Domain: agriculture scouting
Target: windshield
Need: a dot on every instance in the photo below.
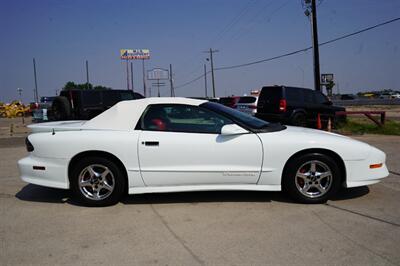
(247, 99)
(239, 117)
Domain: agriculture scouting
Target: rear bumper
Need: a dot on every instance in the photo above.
(359, 172)
(55, 173)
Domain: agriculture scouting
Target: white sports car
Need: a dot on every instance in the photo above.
(179, 144)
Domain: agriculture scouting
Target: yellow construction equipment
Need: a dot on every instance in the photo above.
(14, 109)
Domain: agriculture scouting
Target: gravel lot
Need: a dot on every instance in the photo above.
(41, 226)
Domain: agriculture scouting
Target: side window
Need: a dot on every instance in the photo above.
(294, 94)
(320, 98)
(308, 96)
(182, 118)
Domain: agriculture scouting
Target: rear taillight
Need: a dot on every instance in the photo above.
(282, 105)
(253, 106)
(29, 146)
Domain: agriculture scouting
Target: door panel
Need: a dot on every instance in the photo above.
(175, 158)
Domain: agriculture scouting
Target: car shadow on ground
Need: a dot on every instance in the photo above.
(34, 193)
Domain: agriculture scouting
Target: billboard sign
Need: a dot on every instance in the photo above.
(157, 74)
(129, 54)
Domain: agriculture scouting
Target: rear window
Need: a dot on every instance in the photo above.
(247, 99)
(226, 100)
(91, 98)
(294, 94)
(272, 94)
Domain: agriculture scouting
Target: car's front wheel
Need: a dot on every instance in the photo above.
(97, 181)
(311, 178)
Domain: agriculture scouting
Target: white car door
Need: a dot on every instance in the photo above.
(182, 145)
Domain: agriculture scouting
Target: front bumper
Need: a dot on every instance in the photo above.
(359, 172)
(55, 173)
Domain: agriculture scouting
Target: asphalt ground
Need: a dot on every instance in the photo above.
(42, 226)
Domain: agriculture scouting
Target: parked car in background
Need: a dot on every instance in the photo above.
(86, 104)
(230, 101)
(347, 97)
(295, 106)
(42, 111)
(210, 99)
(395, 96)
(247, 104)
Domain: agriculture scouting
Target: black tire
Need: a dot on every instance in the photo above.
(61, 108)
(82, 194)
(299, 119)
(290, 181)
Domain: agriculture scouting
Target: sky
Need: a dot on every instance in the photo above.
(62, 35)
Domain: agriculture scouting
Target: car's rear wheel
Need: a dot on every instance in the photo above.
(311, 178)
(97, 181)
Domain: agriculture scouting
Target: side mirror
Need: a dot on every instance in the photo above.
(232, 129)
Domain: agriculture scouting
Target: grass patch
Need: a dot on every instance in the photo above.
(364, 126)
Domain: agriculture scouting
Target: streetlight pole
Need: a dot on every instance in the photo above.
(211, 51)
(144, 79)
(205, 80)
(35, 94)
(171, 82)
(127, 74)
(87, 74)
(19, 90)
(132, 87)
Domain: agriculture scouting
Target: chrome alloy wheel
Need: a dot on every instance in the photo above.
(313, 179)
(96, 182)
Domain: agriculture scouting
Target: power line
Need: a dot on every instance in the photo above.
(237, 17)
(234, 21)
(293, 52)
(308, 48)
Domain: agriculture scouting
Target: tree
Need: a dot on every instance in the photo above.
(70, 85)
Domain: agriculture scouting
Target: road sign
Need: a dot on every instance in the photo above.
(158, 74)
(129, 54)
(326, 78)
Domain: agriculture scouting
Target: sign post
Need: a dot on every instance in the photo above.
(327, 81)
(135, 54)
(158, 74)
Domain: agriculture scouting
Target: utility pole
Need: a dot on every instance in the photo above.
(144, 79)
(127, 74)
(211, 51)
(35, 94)
(317, 76)
(171, 83)
(132, 77)
(205, 80)
(87, 74)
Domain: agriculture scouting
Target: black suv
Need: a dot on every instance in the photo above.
(295, 106)
(86, 104)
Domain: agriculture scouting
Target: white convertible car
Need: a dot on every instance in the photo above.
(179, 144)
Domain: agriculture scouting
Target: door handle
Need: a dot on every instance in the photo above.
(151, 143)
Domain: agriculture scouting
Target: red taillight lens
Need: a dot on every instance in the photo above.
(253, 107)
(282, 105)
